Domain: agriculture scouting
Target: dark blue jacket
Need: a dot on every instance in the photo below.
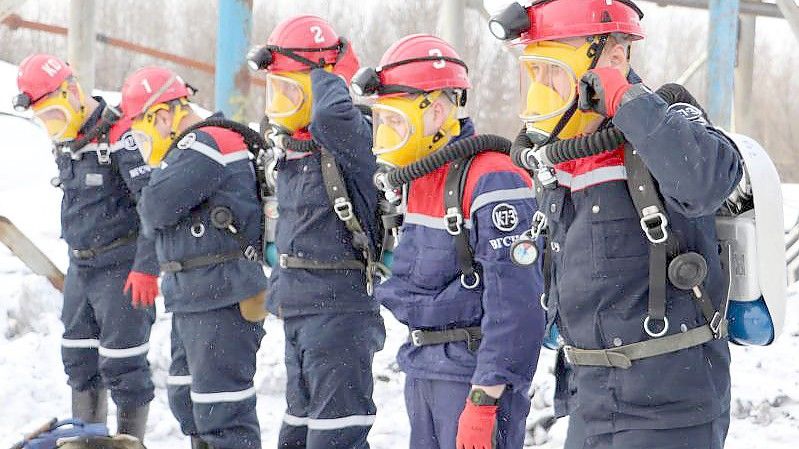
(210, 167)
(308, 227)
(600, 271)
(425, 291)
(99, 203)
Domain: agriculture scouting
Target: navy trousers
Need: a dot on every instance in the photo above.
(434, 407)
(704, 436)
(329, 380)
(105, 339)
(210, 384)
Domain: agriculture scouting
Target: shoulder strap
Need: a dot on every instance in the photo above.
(454, 187)
(339, 197)
(336, 189)
(663, 247)
(255, 143)
(654, 224)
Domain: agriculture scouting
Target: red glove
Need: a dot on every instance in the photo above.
(602, 90)
(477, 427)
(348, 63)
(143, 288)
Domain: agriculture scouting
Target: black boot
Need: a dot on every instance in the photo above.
(198, 443)
(132, 420)
(91, 406)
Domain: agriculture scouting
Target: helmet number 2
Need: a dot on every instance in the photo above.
(440, 64)
(318, 37)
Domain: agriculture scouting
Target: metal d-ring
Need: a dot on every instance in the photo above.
(197, 230)
(543, 301)
(656, 334)
(472, 285)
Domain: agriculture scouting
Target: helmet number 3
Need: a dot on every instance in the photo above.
(437, 64)
(318, 37)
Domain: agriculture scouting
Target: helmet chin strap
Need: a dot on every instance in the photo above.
(594, 52)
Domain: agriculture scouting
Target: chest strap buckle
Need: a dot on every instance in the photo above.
(654, 223)
(454, 221)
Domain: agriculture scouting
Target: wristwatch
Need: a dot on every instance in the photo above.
(480, 397)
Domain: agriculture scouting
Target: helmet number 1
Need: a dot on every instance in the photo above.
(440, 64)
(146, 85)
(318, 37)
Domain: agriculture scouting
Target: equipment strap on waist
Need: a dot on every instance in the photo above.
(287, 261)
(623, 356)
(175, 266)
(83, 254)
(471, 335)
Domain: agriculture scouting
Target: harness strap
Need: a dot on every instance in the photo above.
(287, 261)
(546, 269)
(392, 221)
(453, 198)
(623, 356)
(471, 335)
(176, 266)
(663, 246)
(227, 222)
(654, 223)
(336, 190)
(83, 254)
(716, 319)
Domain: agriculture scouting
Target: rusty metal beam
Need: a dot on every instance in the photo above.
(14, 22)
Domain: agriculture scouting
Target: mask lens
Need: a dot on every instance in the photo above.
(391, 128)
(548, 88)
(55, 119)
(284, 96)
(143, 141)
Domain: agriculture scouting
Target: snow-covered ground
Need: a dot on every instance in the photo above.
(33, 386)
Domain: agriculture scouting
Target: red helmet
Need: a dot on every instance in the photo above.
(302, 42)
(149, 86)
(41, 74)
(548, 20)
(414, 61)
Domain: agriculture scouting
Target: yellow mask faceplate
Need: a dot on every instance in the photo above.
(550, 72)
(398, 127)
(151, 143)
(57, 115)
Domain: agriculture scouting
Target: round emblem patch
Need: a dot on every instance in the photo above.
(130, 143)
(505, 217)
(689, 111)
(187, 141)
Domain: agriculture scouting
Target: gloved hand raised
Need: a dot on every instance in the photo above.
(601, 90)
(347, 62)
(143, 288)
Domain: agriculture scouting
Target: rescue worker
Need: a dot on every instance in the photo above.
(101, 172)
(649, 356)
(321, 287)
(474, 338)
(212, 282)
